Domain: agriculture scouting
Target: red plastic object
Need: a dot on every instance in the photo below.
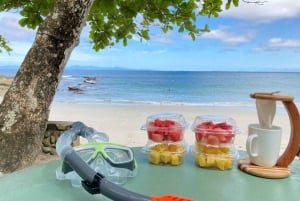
(170, 198)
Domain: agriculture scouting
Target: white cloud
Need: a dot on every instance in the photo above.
(11, 29)
(271, 10)
(163, 38)
(20, 49)
(227, 37)
(79, 57)
(276, 44)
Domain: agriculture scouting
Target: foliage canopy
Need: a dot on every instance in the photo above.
(112, 21)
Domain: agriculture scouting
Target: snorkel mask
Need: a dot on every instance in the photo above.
(84, 165)
(116, 162)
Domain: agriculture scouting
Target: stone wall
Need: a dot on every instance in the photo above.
(53, 131)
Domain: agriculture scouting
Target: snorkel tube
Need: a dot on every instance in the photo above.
(92, 181)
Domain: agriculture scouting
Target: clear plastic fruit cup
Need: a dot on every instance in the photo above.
(165, 153)
(221, 158)
(166, 145)
(214, 130)
(214, 146)
(165, 127)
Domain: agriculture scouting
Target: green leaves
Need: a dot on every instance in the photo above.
(144, 34)
(134, 17)
(34, 12)
(114, 21)
(31, 18)
(235, 3)
(211, 8)
(205, 29)
(228, 4)
(3, 45)
(12, 4)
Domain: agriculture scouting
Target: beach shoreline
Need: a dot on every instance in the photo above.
(122, 123)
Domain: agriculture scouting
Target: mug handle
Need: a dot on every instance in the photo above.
(249, 144)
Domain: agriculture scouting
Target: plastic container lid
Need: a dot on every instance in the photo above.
(210, 122)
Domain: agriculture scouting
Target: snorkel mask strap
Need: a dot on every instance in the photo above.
(64, 142)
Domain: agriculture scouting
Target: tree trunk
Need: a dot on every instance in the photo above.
(24, 110)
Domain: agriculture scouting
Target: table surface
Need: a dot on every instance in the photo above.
(186, 180)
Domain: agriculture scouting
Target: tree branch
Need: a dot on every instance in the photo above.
(256, 2)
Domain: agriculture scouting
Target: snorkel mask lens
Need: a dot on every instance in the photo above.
(86, 154)
(115, 162)
(121, 157)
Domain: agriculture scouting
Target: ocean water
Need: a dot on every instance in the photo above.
(171, 87)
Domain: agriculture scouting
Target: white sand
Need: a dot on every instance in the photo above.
(122, 123)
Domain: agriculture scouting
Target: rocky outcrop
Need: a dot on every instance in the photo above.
(90, 80)
(75, 89)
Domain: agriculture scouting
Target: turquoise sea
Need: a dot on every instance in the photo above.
(171, 87)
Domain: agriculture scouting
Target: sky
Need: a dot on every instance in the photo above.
(250, 37)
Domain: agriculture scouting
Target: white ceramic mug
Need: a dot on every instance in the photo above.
(263, 145)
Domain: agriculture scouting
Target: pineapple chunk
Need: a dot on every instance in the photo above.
(154, 157)
(175, 159)
(229, 163)
(166, 153)
(221, 163)
(160, 147)
(165, 157)
(211, 150)
(224, 163)
(201, 160)
(210, 161)
(200, 147)
(224, 150)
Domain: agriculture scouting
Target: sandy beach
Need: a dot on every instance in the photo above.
(122, 123)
